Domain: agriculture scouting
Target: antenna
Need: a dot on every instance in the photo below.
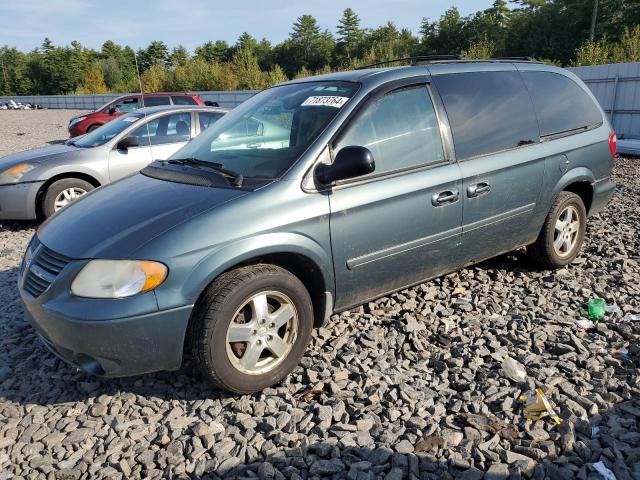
(144, 106)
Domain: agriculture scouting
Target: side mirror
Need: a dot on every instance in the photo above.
(127, 143)
(112, 110)
(350, 162)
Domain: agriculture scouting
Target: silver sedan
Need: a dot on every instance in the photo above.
(37, 183)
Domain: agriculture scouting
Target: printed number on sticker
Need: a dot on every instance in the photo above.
(325, 101)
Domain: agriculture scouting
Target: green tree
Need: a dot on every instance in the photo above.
(211, 52)
(93, 81)
(246, 69)
(178, 56)
(350, 34)
(156, 53)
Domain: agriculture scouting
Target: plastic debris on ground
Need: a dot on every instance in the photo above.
(596, 309)
(514, 370)
(612, 309)
(312, 393)
(537, 407)
(594, 431)
(631, 317)
(585, 324)
(604, 472)
(620, 353)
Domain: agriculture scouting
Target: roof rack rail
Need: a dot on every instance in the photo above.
(426, 59)
(419, 58)
(516, 59)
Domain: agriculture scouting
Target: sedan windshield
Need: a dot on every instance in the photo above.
(266, 134)
(106, 132)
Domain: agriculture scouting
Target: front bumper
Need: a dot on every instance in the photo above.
(106, 337)
(18, 201)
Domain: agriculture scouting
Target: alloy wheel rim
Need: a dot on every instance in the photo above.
(566, 230)
(66, 196)
(262, 332)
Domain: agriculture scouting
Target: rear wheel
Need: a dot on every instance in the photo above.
(251, 327)
(62, 193)
(562, 235)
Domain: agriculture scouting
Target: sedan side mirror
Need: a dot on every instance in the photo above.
(350, 162)
(112, 110)
(127, 143)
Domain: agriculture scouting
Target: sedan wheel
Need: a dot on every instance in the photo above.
(62, 193)
(67, 196)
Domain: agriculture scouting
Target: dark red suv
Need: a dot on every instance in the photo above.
(82, 124)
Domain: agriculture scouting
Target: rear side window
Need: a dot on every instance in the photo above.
(183, 100)
(488, 112)
(126, 105)
(207, 119)
(560, 103)
(400, 129)
(155, 101)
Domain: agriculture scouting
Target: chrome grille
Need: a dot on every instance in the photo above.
(43, 270)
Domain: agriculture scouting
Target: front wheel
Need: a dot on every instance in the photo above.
(251, 328)
(63, 192)
(562, 235)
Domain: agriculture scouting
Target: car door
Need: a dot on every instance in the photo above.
(158, 139)
(497, 145)
(402, 223)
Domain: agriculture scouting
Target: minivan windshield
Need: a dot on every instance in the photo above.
(265, 135)
(106, 132)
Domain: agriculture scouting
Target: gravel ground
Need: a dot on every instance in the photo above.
(409, 386)
(22, 129)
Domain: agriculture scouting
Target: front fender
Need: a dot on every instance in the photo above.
(48, 172)
(225, 257)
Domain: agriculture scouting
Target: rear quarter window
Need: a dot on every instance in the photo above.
(561, 104)
(180, 100)
(488, 111)
(155, 101)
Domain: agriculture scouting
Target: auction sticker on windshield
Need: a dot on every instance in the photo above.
(325, 101)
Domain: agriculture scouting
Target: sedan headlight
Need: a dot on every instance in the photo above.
(118, 278)
(76, 120)
(15, 173)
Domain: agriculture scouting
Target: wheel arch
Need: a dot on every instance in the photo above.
(296, 253)
(579, 181)
(60, 176)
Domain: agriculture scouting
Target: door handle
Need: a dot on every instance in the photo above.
(444, 198)
(478, 189)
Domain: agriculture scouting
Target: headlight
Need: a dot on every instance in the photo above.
(15, 173)
(76, 120)
(118, 278)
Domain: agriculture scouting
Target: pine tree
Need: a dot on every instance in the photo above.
(349, 32)
(305, 36)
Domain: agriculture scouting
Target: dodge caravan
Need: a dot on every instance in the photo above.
(313, 197)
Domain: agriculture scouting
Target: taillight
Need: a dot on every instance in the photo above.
(613, 144)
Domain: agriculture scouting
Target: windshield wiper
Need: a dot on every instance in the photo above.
(218, 167)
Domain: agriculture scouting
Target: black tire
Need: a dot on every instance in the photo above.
(56, 188)
(215, 311)
(543, 252)
(93, 127)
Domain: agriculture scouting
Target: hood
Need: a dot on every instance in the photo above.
(114, 221)
(38, 155)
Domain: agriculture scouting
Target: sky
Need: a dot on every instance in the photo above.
(25, 23)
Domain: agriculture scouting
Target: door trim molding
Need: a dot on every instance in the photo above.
(357, 262)
(485, 222)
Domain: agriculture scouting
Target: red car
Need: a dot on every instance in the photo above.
(81, 124)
